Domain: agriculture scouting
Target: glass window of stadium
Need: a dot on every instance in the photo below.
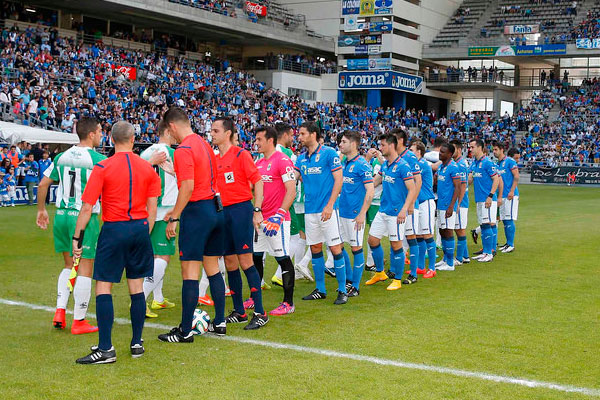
(478, 105)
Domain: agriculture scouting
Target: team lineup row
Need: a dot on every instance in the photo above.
(228, 205)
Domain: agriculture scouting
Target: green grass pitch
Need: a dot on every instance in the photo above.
(532, 314)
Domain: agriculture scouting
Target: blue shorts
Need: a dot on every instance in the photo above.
(124, 245)
(201, 232)
(239, 229)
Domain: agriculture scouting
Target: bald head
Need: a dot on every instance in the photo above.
(122, 132)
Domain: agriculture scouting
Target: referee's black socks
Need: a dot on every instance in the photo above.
(288, 278)
(235, 287)
(217, 291)
(254, 282)
(105, 315)
(138, 314)
(189, 301)
(258, 263)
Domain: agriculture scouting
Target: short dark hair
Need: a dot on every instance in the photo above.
(270, 133)
(390, 138)
(439, 140)
(161, 128)
(312, 127)
(352, 136)
(478, 142)
(228, 125)
(175, 114)
(456, 143)
(281, 128)
(512, 151)
(401, 134)
(448, 146)
(499, 145)
(419, 145)
(86, 125)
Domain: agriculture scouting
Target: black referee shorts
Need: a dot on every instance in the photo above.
(124, 245)
(201, 232)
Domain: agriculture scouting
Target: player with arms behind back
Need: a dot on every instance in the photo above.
(273, 235)
(509, 210)
(72, 169)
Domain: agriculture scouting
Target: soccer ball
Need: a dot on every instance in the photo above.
(200, 322)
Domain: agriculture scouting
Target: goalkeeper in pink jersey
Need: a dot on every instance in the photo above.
(277, 172)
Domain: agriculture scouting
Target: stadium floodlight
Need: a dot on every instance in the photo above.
(31, 10)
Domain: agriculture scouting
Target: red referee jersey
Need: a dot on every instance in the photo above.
(194, 160)
(236, 172)
(125, 182)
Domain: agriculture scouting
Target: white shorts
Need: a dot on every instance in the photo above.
(445, 223)
(387, 225)
(509, 210)
(427, 217)
(276, 246)
(411, 226)
(487, 215)
(350, 234)
(460, 222)
(327, 232)
(5, 197)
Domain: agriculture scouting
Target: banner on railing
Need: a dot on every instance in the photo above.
(583, 175)
(369, 64)
(348, 41)
(129, 72)
(370, 39)
(587, 43)
(350, 23)
(375, 7)
(511, 51)
(257, 9)
(520, 29)
(350, 7)
(23, 198)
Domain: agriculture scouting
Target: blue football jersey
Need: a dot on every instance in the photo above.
(483, 171)
(505, 169)
(317, 171)
(394, 192)
(357, 172)
(446, 175)
(413, 162)
(426, 192)
(463, 167)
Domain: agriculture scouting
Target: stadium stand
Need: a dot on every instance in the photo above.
(459, 26)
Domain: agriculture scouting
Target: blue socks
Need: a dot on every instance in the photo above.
(189, 301)
(422, 251)
(377, 253)
(340, 271)
(487, 239)
(235, 286)
(465, 249)
(448, 246)
(318, 264)
(357, 271)
(414, 256)
(255, 290)
(137, 312)
(431, 252)
(494, 237)
(460, 248)
(105, 316)
(509, 230)
(348, 264)
(397, 262)
(217, 291)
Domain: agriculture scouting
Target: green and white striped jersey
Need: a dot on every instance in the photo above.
(168, 182)
(72, 169)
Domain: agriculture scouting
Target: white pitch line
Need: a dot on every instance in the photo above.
(357, 357)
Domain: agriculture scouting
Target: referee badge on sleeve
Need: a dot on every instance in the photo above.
(229, 177)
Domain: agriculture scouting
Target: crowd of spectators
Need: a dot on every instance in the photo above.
(56, 80)
(589, 28)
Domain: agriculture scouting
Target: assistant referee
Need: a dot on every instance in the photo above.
(129, 188)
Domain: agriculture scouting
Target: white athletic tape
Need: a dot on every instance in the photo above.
(357, 357)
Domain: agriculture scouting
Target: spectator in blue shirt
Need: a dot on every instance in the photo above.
(32, 171)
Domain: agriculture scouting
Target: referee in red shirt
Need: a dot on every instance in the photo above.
(129, 187)
(236, 175)
(201, 235)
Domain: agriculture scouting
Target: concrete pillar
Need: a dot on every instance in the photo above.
(374, 98)
(399, 100)
(340, 97)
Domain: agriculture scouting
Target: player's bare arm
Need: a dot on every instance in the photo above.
(183, 197)
(82, 220)
(42, 219)
(335, 192)
(455, 195)
(257, 217)
(362, 215)
(151, 206)
(515, 173)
